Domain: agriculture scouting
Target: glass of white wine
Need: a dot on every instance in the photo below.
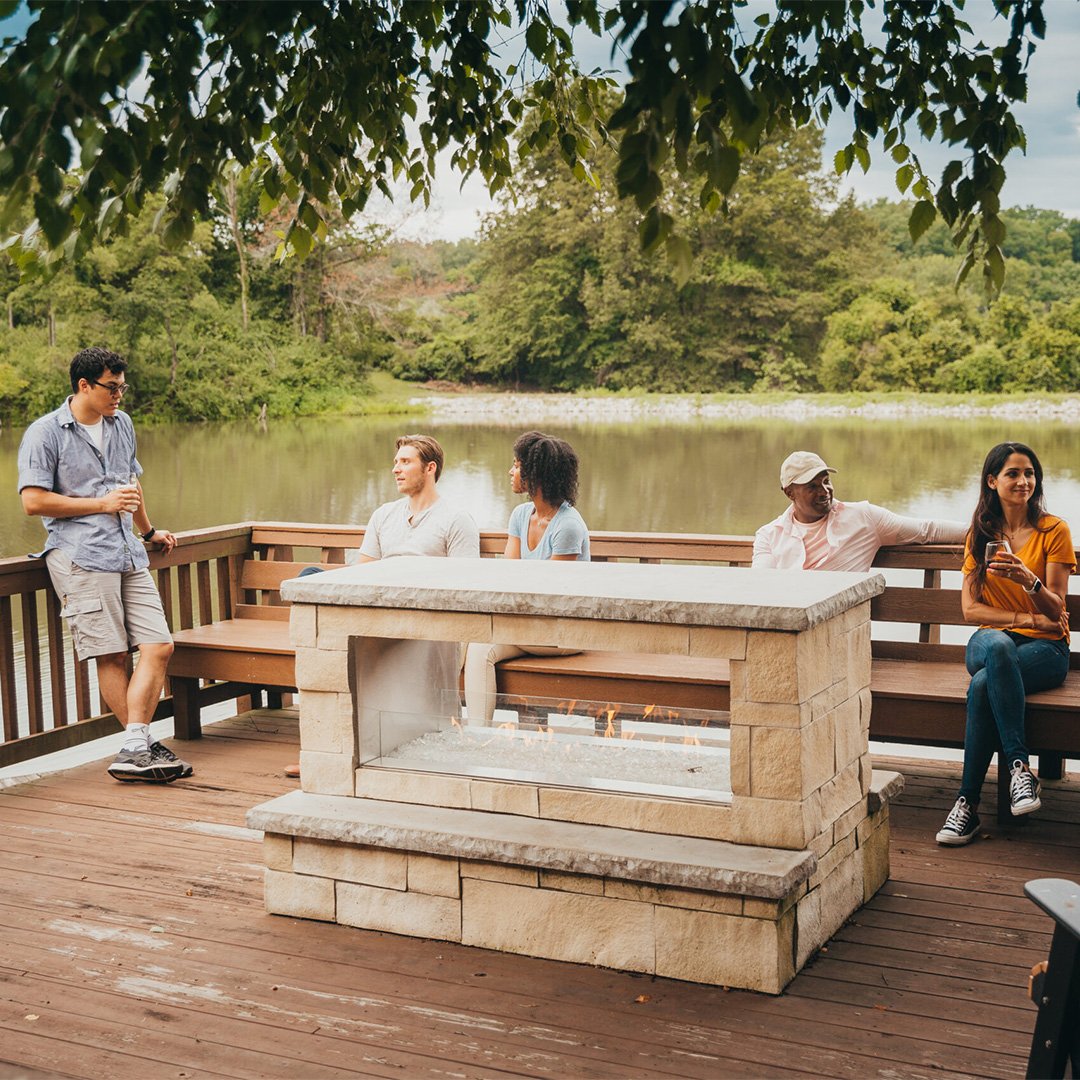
(994, 548)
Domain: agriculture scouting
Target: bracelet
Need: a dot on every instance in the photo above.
(1034, 588)
(150, 532)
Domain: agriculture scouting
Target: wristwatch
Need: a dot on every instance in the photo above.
(1031, 592)
(150, 532)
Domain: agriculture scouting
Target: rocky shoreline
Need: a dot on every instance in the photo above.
(516, 409)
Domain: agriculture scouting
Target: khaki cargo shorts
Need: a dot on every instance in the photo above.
(107, 613)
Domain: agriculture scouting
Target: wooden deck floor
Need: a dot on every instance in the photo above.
(133, 944)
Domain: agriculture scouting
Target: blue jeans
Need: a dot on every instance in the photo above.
(1004, 667)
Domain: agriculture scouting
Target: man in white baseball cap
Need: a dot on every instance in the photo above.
(818, 532)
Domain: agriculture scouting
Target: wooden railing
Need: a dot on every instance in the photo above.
(197, 585)
(214, 573)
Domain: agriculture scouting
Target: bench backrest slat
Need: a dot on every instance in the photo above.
(268, 575)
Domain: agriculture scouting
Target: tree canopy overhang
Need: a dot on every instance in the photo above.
(105, 101)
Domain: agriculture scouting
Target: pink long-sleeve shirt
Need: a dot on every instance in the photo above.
(854, 532)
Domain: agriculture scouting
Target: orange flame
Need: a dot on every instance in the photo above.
(609, 731)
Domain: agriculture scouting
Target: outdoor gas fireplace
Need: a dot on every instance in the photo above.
(717, 845)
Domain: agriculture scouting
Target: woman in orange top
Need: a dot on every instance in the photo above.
(1017, 597)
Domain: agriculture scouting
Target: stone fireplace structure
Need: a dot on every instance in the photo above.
(734, 888)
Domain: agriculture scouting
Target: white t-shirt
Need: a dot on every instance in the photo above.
(442, 529)
(815, 540)
(96, 433)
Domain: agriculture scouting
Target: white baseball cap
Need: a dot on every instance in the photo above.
(801, 467)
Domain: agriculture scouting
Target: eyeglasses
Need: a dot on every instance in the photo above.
(116, 389)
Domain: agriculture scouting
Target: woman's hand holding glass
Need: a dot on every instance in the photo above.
(1001, 562)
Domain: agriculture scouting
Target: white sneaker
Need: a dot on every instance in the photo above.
(1024, 789)
(961, 826)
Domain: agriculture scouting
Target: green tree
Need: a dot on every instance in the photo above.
(317, 97)
(566, 298)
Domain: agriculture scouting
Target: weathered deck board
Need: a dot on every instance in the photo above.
(133, 944)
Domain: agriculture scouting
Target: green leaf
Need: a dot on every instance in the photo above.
(648, 191)
(725, 168)
(903, 177)
(109, 213)
(994, 268)
(862, 155)
(951, 173)
(900, 153)
(681, 258)
(922, 217)
(965, 269)
(179, 231)
(993, 228)
(300, 239)
(536, 39)
(654, 229)
(54, 221)
(841, 164)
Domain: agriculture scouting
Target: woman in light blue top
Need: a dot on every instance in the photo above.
(546, 527)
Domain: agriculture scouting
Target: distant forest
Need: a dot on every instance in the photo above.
(795, 289)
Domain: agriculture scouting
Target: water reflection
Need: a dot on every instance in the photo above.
(682, 476)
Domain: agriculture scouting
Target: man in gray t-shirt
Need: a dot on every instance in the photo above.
(421, 523)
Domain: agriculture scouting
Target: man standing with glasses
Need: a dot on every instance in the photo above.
(79, 473)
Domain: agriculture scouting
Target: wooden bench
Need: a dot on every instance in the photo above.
(919, 687)
(248, 652)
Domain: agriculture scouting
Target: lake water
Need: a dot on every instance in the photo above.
(676, 476)
(686, 476)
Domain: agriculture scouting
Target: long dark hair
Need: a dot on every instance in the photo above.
(988, 521)
(549, 465)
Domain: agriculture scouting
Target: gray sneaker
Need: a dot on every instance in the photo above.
(140, 765)
(161, 754)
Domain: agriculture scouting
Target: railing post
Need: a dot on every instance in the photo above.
(930, 633)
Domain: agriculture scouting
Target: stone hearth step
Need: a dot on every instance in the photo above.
(684, 862)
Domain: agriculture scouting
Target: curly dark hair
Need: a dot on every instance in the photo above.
(90, 364)
(988, 521)
(548, 466)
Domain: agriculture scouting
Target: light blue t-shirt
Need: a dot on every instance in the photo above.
(566, 534)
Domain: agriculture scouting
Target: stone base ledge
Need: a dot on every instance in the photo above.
(884, 787)
(601, 851)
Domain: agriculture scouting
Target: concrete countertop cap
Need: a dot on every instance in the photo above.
(628, 592)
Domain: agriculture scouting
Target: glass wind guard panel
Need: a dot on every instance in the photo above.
(649, 750)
